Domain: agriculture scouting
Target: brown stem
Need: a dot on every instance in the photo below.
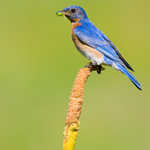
(72, 122)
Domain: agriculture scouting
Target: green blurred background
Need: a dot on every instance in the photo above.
(38, 64)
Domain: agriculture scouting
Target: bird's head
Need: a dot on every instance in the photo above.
(73, 13)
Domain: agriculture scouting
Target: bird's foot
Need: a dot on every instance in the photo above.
(97, 68)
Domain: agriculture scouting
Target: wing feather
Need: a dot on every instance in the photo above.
(88, 34)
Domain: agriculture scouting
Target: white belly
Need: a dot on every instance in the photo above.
(90, 53)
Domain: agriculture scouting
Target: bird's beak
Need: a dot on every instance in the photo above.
(60, 13)
(63, 13)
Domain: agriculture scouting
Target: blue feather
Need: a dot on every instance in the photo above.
(129, 75)
(90, 35)
(93, 37)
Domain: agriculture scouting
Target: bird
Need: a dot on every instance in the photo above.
(94, 44)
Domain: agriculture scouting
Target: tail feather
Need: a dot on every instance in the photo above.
(129, 75)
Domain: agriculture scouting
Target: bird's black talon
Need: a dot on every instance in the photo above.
(99, 69)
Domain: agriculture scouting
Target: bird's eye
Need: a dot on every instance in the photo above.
(73, 10)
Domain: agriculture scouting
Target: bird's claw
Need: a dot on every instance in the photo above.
(97, 68)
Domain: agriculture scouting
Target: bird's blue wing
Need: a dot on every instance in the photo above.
(118, 53)
(88, 34)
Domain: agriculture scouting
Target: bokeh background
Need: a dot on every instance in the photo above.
(38, 64)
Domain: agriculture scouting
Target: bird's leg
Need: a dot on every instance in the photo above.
(91, 66)
(97, 68)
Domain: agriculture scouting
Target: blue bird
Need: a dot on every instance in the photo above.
(93, 44)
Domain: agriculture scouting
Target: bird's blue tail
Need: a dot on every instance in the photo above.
(129, 75)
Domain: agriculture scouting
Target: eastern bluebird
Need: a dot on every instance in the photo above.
(93, 44)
